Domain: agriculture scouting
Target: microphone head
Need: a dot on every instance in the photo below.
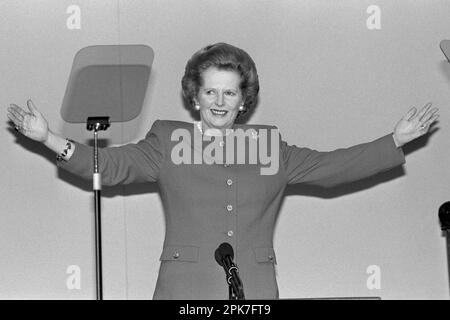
(444, 215)
(225, 249)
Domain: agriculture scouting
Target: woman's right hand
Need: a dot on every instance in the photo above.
(31, 124)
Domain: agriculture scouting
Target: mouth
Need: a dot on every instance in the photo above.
(219, 113)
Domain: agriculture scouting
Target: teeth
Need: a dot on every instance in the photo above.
(218, 112)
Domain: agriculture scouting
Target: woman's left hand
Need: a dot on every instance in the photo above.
(414, 124)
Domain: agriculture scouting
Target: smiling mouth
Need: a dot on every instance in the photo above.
(217, 112)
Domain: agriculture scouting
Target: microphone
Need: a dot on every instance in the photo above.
(444, 215)
(224, 256)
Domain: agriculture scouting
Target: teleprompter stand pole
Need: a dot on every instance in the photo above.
(97, 124)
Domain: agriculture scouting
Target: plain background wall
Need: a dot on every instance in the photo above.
(327, 81)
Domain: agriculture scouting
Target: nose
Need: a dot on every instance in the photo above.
(219, 100)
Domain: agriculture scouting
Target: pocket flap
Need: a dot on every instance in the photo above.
(180, 253)
(265, 255)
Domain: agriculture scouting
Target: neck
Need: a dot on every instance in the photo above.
(213, 131)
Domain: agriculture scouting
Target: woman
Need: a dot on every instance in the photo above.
(207, 204)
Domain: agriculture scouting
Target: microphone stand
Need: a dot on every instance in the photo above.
(235, 287)
(97, 124)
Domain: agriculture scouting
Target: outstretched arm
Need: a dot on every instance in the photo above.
(327, 169)
(133, 162)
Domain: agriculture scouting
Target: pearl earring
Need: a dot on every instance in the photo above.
(197, 107)
(241, 108)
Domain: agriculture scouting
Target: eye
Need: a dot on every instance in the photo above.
(209, 92)
(230, 93)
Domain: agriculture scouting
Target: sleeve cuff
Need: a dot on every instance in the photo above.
(81, 159)
(397, 153)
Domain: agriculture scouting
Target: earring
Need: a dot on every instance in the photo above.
(241, 107)
(197, 107)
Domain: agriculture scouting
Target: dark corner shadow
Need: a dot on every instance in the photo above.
(195, 115)
(86, 185)
(369, 182)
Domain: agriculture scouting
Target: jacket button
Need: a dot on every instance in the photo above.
(229, 182)
(230, 233)
(229, 207)
(176, 255)
(271, 258)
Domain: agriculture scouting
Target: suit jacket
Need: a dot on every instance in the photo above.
(208, 204)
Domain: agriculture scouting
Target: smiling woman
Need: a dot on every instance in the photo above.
(221, 82)
(219, 98)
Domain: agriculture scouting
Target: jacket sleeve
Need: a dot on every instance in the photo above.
(133, 162)
(327, 169)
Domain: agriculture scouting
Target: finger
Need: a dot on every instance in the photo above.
(16, 108)
(424, 110)
(429, 114)
(16, 124)
(433, 119)
(13, 119)
(410, 113)
(16, 112)
(427, 124)
(32, 108)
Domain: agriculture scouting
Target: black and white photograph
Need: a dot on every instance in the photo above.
(217, 150)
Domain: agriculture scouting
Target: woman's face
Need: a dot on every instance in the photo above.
(219, 98)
